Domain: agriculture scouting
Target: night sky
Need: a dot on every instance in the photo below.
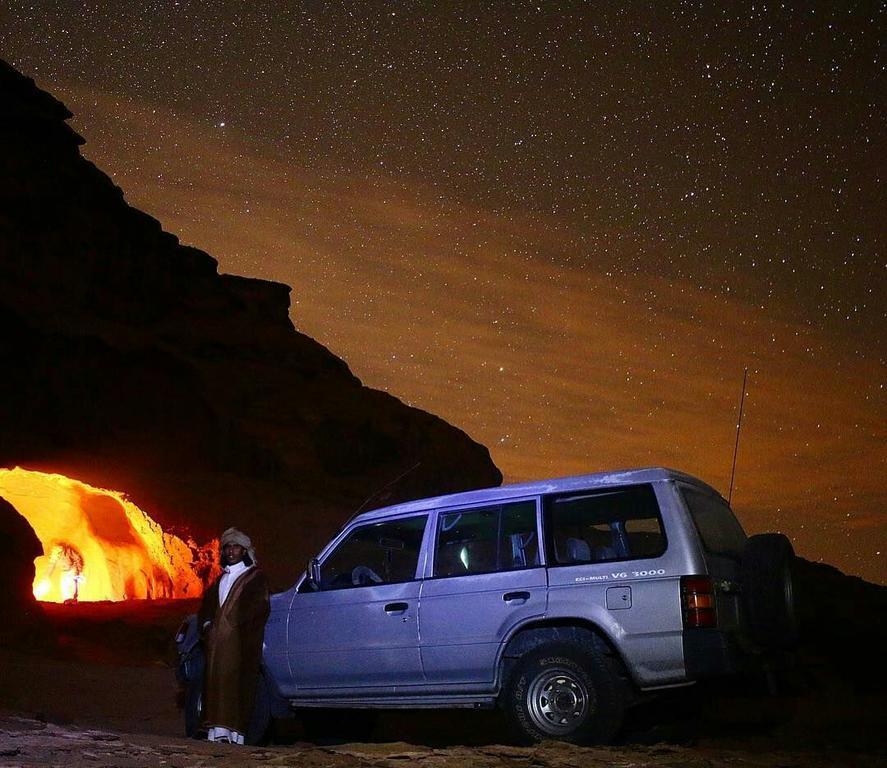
(564, 228)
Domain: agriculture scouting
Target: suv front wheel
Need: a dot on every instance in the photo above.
(561, 691)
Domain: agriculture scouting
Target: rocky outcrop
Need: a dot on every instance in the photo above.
(21, 546)
(130, 363)
(843, 623)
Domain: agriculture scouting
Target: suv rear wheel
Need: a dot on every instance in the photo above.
(562, 691)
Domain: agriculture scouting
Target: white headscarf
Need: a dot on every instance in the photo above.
(234, 536)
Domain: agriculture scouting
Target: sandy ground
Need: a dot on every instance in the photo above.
(28, 742)
(95, 686)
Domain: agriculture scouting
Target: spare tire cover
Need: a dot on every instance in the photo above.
(767, 590)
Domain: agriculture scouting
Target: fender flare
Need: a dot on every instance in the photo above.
(526, 637)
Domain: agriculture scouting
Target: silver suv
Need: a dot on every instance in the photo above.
(559, 601)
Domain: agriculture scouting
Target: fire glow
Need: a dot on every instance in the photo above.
(97, 545)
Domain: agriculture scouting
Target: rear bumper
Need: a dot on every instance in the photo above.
(710, 653)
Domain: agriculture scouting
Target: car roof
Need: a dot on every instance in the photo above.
(536, 488)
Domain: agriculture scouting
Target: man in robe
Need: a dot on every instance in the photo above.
(232, 619)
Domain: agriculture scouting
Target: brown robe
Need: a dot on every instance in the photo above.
(233, 647)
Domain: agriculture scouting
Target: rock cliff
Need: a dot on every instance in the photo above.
(130, 363)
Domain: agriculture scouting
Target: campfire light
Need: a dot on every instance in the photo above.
(98, 545)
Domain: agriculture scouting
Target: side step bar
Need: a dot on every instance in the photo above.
(399, 702)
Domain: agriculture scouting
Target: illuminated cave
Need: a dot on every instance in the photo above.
(97, 545)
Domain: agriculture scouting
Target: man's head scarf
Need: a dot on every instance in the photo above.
(235, 536)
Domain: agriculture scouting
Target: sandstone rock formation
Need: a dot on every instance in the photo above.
(130, 363)
(21, 546)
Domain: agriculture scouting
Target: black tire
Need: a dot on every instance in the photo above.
(768, 591)
(194, 709)
(259, 729)
(565, 692)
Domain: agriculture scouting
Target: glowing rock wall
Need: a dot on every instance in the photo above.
(97, 545)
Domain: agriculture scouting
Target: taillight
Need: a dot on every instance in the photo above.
(698, 601)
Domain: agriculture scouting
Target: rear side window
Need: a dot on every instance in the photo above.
(495, 538)
(718, 527)
(602, 526)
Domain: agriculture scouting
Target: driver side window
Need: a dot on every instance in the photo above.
(380, 553)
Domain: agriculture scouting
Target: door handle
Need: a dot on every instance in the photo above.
(396, 607)
(511, 596)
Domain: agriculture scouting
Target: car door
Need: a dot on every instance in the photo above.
(610, 564)
(360, 629)
(487, 578)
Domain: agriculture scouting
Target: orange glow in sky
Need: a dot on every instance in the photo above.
(486, 319)
(565, 228)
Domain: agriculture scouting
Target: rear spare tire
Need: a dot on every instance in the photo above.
(566, 692)
(768, 590)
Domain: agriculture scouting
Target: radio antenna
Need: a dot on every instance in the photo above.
(738, 427)
(384, 488)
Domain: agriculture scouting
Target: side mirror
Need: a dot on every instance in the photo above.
(313, 573)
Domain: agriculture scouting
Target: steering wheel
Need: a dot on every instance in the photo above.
(363, 576)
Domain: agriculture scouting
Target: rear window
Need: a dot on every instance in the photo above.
(718, 527)
(603, 526)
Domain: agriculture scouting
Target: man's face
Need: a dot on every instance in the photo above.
(232, 554)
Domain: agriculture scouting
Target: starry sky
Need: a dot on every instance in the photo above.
(566, 228)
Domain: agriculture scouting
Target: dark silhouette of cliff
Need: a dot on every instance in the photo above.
(21, 546)
(130, 363)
